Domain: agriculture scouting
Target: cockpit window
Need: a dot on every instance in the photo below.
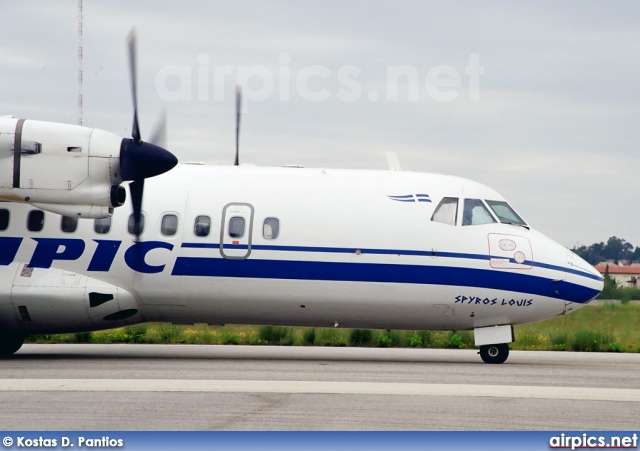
(446, 211)
(476, 213)
(505, 213)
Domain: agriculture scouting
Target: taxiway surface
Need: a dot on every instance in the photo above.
(182, 387)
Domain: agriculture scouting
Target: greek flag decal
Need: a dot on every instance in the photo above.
(410, 198)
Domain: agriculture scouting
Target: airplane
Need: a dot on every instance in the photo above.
(242, 244)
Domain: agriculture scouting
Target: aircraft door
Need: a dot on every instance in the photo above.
(236, 231)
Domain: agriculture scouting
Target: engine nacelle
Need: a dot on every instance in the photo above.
(62, 168)
(51, 300)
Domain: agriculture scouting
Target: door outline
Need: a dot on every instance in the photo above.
(226, 242)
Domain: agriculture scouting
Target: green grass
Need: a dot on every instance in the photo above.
(608, 327)
(605, 328)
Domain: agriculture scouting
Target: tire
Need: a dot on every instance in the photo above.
(494, 353)
(10, 343)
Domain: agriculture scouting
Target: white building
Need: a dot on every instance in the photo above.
(624, 276)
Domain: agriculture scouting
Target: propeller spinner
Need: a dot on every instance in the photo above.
(138, 159)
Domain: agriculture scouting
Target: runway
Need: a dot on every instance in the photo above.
(183, 387)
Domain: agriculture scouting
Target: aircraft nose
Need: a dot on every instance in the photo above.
(583, 280)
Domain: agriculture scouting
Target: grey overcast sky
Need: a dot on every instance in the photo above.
(552, 122)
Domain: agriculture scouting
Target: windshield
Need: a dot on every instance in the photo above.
(475, 213)
(505, 213)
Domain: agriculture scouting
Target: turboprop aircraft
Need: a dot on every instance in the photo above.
(252, 245)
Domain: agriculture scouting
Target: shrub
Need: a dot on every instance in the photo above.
(361, 337)
(589, 341)
(610, 306)
(229, 338)
(82, 337)
(427, 338)
(309, 337)
(331, 337)
(389, 338)
(559, 340)
(454, 341)
(276, 335)
(203, 337)
(629, 294)
(414, 339)
(529, 340)
(170, 333)
(136, 334)
(610, 290)
(42, 338)
(467, 338)
(615, 347)
(384, 340)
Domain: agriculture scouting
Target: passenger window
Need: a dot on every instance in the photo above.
(476, 213)
(271, 228)
(202, 226)
(169, 225)
(35, 220)
(131, 225)
(102, 225)
(236, 227)
(68, 224)
(446, 211)
(505, 213)
(4, 219)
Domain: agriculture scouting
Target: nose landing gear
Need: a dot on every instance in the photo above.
(494, 353)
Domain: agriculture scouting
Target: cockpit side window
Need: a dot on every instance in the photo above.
(476, 213)
(505, 213)
(447, 211)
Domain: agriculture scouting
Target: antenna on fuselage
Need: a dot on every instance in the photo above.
(392, 161)
(238, 113)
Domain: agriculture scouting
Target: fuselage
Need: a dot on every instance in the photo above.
(289, 246)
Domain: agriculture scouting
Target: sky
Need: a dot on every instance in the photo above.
(537, 99)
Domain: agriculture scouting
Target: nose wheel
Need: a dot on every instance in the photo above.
(494, 353)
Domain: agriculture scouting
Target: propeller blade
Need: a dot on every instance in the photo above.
(131, 44)
(238, 108)
(140, 160)
(159, 133)
(136, 188)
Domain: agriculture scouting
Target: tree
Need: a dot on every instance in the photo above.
(615, 249)
(610, 289)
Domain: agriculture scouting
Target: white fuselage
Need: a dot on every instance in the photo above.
(353, 249)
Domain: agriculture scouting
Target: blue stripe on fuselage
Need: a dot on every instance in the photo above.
(342, 250)
(382, 273)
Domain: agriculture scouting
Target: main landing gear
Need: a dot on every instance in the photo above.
(9, 343)
(494, 353)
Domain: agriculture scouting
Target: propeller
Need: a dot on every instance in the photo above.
(159, 133)
(238, 108)
(138, 159)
